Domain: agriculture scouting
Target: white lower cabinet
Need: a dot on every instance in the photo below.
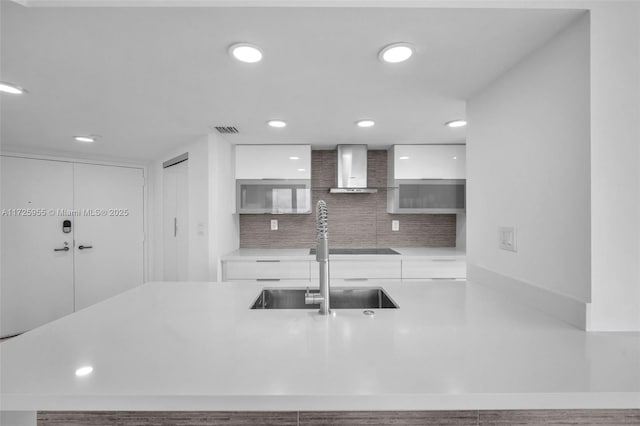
(342, 271)
(434, 268)
(265, 270)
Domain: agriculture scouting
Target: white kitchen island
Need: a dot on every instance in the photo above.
(198, 346)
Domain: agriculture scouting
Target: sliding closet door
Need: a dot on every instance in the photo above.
(175, 222)
(110, 235)
(37, 255)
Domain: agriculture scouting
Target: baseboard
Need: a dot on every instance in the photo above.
(562, 307)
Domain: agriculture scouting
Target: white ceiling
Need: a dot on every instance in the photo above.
(148, 79)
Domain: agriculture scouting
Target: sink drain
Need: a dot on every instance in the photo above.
(368, 312)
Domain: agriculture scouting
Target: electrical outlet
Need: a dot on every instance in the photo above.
(274, 224)
(507, 238)
(395, 225)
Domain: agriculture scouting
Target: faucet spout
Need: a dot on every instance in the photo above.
(322, 255)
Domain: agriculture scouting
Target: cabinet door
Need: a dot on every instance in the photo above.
(428, 196)
(273, 196)
(273, 161)
(37, 282)
(429, 161)
(109, 246)
(175, 222)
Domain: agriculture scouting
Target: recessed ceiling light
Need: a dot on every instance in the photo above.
(86, 139)
(456, 123)
(246, 52)
(396, 52)
(302, 170)
(277, 123)
(294, 158)
(404, 157)
(10, 88)
(455, 158)
(365, 123)
(83, 371)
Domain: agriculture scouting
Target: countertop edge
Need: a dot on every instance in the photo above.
(392, 402)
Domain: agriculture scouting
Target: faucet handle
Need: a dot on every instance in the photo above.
(312, 298)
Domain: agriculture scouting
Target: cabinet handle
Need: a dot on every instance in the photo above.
(84, 247)
(62, 249)
(356, 279)
(267, 279)
(267, 261)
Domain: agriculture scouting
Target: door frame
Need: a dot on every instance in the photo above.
(131, 165)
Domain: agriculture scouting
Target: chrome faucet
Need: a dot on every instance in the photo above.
(322, 257)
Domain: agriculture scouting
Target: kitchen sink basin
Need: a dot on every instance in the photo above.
(340, 298)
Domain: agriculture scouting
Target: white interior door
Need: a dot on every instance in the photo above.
(109, 234)
(36, 281)
(175, 222)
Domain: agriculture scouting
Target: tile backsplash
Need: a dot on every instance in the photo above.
(355, 220)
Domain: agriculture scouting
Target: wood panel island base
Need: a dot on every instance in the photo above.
(346, 418)
(198, 348)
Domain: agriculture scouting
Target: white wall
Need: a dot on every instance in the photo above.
(615, 167)
(528, 167)
(614, 171)
(224, 236)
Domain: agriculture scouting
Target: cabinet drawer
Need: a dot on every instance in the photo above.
(361, 269)
(265, 269)
(434, 268)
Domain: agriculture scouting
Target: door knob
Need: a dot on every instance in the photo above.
(62, 249)
(84, 247)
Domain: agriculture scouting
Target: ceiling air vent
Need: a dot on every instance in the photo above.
(226, 130)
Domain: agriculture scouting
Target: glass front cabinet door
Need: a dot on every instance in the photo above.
(274, 197)
(427, 196)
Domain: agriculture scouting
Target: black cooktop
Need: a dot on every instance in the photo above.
(358, 251)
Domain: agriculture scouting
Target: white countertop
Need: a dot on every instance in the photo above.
(303, 254)
(198, 346)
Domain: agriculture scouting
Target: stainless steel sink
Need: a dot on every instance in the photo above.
(341, 298)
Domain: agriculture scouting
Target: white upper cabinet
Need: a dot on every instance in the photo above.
(426, 179)
(273, 161)
(428, 161)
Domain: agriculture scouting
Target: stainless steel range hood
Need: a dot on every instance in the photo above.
(352, 170)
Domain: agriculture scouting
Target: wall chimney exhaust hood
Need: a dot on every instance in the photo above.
(352, 170)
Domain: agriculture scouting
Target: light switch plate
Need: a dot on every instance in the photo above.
(507, 238)
(274, 224)
(395, 225)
